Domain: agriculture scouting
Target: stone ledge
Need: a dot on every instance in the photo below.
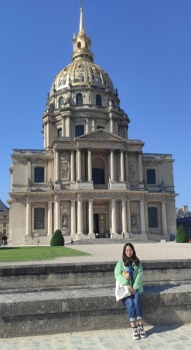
(47, 276)
(79, 309)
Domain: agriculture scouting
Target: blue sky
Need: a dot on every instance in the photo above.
(144, 45)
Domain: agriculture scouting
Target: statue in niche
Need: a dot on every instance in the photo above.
(65, 220)
(64, 170)
(133, 220)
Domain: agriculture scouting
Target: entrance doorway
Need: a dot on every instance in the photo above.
(100, 224)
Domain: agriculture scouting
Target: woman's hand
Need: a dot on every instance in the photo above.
(132, 290)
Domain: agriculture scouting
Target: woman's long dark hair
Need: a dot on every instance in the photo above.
(128, 261)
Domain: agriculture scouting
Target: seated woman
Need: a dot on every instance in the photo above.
(129, 271)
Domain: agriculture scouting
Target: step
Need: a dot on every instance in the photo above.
(85, 308)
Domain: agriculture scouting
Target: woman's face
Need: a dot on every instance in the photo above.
(128, 251)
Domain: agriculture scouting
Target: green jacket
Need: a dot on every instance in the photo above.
(135, 282)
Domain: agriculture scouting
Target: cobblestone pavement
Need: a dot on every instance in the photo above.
(175, 337)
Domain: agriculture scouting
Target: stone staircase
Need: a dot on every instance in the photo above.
(53, 298)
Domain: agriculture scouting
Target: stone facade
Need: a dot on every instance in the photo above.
(89, 178)
(4, 222)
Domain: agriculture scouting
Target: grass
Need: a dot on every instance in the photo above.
(16, 254)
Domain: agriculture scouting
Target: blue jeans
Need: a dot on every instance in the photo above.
(133, 307)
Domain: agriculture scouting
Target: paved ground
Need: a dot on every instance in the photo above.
(174, 337)
(113, 252)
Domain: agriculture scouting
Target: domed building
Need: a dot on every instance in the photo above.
(89, 179)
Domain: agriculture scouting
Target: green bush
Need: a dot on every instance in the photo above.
(57, 239)
(181, 235)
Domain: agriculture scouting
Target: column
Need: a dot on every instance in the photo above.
(113, 217)
(78, 164)
(63, 126)
(49, 218)
(57, 215)
(91, 224)
(28, 218)
(112, 164)
(164, 223)
(127, 167)
(128, 217)
(142, 216)
(57, 177)
(89, 164)
(146, 217)
(87, 125)
(73, 217)
(124, 217)
(80, 217)
(140, 168)
(45, 141)
(122, 173)
(111, 124)
(93, 124)
(72, 166)
(48, 135)
(68, 126)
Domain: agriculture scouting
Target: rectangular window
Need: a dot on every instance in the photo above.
(151, 179)
(39, 216)
(4, 224)
(4, 216)
(79, 130)
(152, 216)
(39, 174)
(4, 232)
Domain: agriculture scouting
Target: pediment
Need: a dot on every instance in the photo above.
(100, 135)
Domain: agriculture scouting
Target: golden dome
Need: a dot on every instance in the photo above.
(82, 71)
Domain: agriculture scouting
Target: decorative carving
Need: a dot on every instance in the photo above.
(132, 170)
(50, 184)
(65, 170)
(29, 183)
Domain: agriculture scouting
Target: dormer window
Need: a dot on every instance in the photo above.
(98, 100)
(79, 99)
(61, 102)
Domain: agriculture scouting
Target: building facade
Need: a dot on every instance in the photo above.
(89, 178)
(4, 223)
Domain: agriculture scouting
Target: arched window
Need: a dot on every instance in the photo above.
(59, 132)
(152, 216)
(79, 130)
(79, 99)
(61, 102)
(39, 174)
(98, 100)
(98, 176)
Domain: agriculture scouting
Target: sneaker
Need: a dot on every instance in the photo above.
(135, 333)
(142, 332)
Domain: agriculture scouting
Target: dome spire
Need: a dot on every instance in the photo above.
(82, 44)
(81, 27)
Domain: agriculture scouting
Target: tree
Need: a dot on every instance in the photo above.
(57, 239)
(181, 235)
